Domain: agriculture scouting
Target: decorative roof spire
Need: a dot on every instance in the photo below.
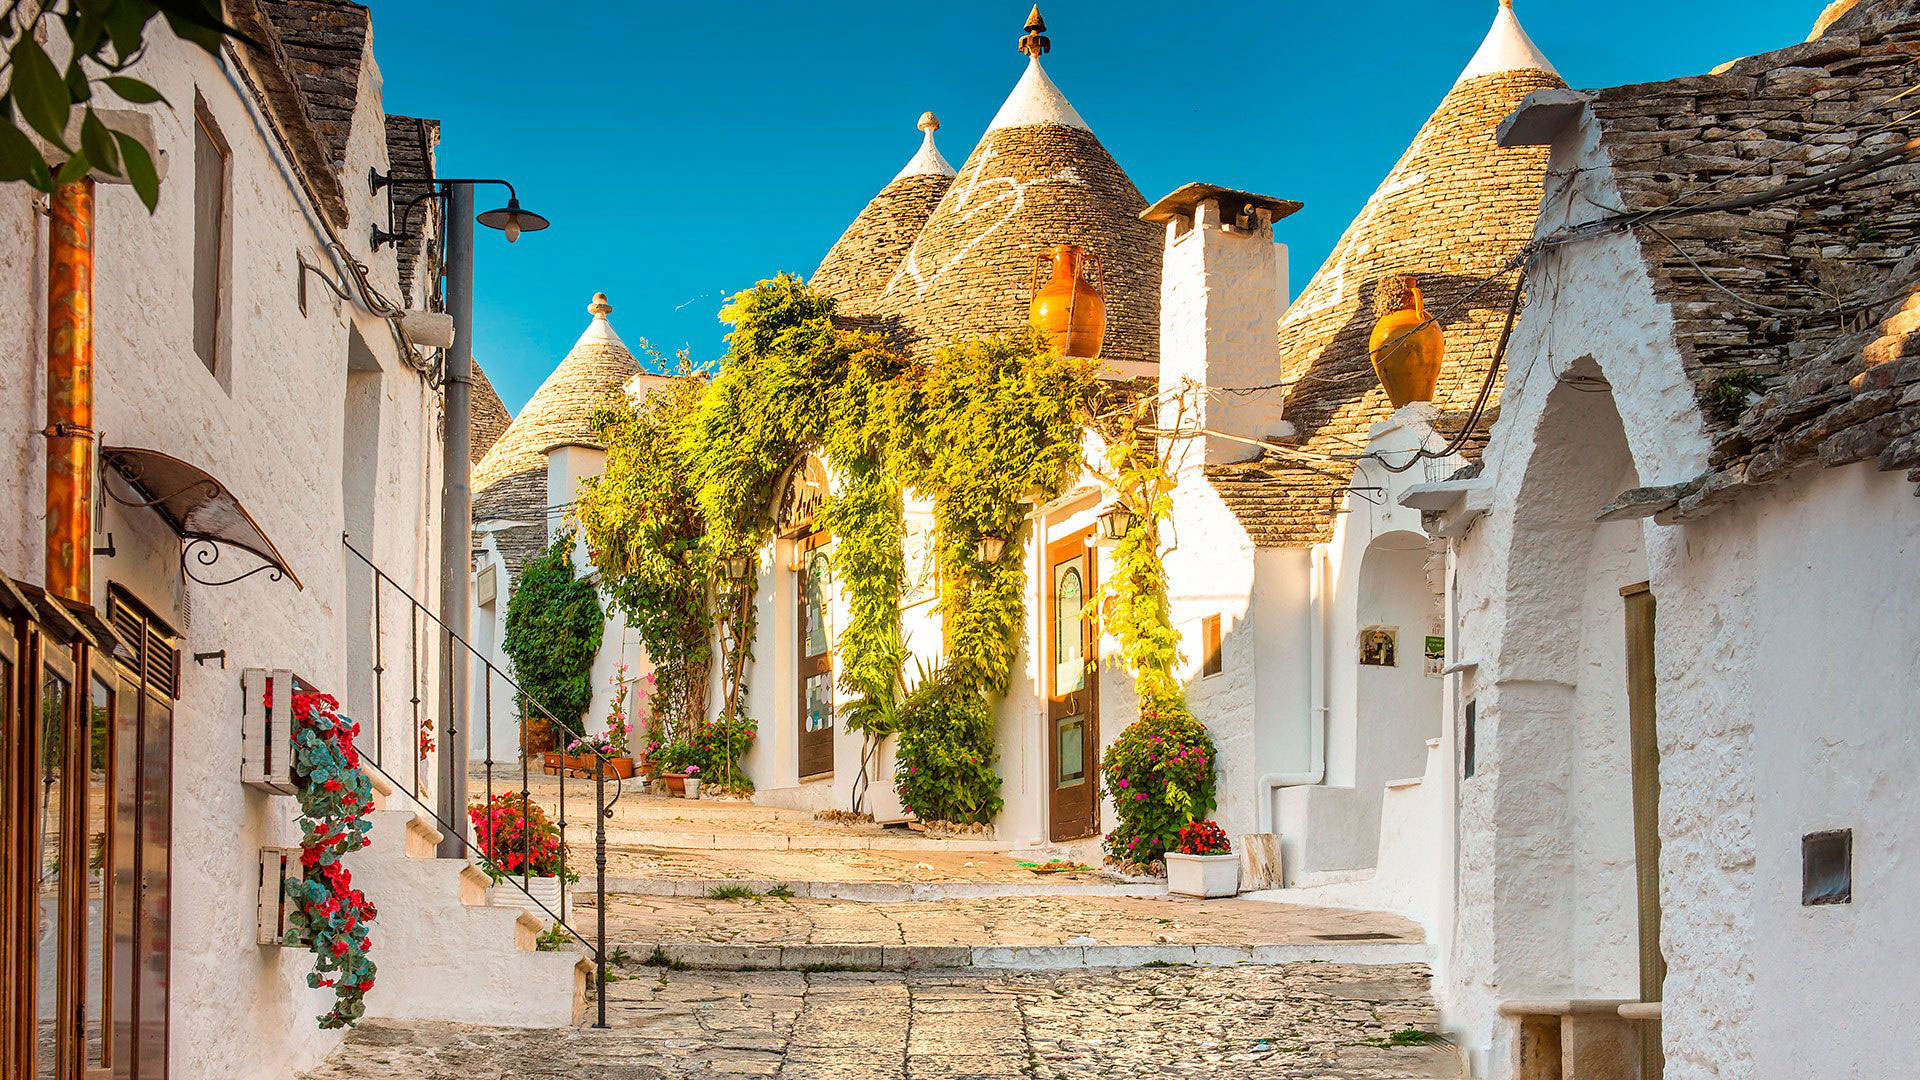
(600, 331)
(1035, 101)
(1506, 48)
(1035, 42)
(928, 161)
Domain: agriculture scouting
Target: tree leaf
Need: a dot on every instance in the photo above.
(74, 168)
(20, 159)
(201, 22)
(134, 90)
(40, 92)
(97, 142)
(127, 25)
(139, 169)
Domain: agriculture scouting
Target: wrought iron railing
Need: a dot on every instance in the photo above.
(448, 732)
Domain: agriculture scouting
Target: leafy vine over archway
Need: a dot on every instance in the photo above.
(986, 429)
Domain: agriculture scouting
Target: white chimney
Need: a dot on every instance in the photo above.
(1222, 292)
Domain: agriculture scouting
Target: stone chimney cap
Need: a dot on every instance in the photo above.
(1184, 199)
(1035, 43)
(600, 308)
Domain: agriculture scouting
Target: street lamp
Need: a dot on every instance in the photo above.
(456, 490)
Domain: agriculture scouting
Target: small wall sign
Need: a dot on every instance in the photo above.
(1380, 646)
(1436, 653)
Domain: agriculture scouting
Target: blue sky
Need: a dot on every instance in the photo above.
(685, 151)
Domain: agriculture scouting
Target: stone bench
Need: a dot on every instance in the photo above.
(1581, 1039)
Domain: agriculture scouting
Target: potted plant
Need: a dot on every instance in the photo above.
(1204, 865)
(693, 782)
(518, 841)
(583, 752)
(676, 761)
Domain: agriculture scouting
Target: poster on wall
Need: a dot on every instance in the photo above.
(1436, 651)
(1380, 646)
(922, 576)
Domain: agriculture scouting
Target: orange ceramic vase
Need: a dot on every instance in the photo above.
(1407, 350)
(1069, 310)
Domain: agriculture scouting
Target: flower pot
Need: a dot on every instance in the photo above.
(544, 889)
(1203, 875)
(553, 763)
(693, 787)
(676, 782)
(621, 767)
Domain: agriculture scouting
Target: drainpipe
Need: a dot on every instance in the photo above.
(1316, 695)
(69, 430)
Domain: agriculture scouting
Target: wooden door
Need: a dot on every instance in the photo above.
(1072, 664)
(1645, 752)
(812, 581)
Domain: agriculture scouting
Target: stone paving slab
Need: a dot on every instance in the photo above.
(1328, 1021)
(873, 892)
(1007, 921)
(1006, 957)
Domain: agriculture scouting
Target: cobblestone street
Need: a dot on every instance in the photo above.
(1329, 1021)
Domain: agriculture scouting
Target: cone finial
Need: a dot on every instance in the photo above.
(1035, 42)
(599, 306)
(929, 123)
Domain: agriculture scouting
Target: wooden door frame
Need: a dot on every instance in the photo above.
(1074, 544)
(1640, 615)
(806, 668)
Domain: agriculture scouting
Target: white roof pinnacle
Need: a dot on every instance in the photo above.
(600, 331)
(1036, 102)
(1507, 48)
(928, 161)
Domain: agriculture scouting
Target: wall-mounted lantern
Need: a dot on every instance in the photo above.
(988, 549)
(736, 567)
(1115, 521)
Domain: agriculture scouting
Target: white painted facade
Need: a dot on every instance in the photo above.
(1784, 702)
(318, 426)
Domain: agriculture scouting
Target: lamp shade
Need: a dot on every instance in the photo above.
(1115, 520)
(512, 220)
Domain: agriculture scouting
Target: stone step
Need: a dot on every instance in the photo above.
(766, 841)
(875, 892)
(1004, 957)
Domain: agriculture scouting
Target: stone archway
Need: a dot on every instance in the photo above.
(1554, 729)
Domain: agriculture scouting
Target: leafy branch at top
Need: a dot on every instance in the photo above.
(103, 39)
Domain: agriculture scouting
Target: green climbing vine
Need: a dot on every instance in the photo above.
(987, 428)
(647, 536)
(554, 627)
(1160, 771)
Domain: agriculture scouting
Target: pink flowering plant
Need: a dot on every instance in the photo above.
(618, 729)
(1159, 774)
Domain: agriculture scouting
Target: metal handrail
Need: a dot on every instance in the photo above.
(602, 766)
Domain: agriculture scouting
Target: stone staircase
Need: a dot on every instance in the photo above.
(447, 945)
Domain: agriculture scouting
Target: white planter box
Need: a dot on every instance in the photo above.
(693, 787)
(266, 733)
(544, 889)
(276, 866)
(1203, 875)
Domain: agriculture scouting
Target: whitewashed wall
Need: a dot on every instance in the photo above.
(1784, 706)
(271, 428)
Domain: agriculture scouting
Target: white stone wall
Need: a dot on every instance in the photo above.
(1784, 703)
(271, 429)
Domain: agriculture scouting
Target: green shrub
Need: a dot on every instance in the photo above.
(944, 765)
(554, 626)
(1159, 774)
(716, 746)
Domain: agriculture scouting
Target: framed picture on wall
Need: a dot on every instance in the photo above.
(1380, 646)
(922, 569)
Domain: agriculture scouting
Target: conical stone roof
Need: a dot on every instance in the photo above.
(856, 269)
(1452, 212)
(510, 483)
(1038, 178)
(490, 416)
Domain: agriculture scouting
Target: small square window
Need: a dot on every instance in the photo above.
(1826, 868)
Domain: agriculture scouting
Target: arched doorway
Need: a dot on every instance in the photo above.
(1566, 758)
